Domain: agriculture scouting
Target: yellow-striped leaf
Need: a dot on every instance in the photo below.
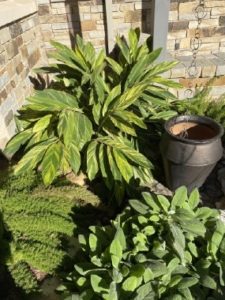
(51, 163)
(92, 163)
(74, 157)
(17, 141)
(123, 165)
(32, 157)
(42, 123)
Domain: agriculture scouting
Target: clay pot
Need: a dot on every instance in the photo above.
(190, 148)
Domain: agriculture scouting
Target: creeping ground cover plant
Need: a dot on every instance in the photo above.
(158, 248)
(89, 118)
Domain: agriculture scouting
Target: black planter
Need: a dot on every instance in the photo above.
(190, 148)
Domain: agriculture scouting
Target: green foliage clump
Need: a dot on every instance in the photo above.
(203, 104)
(93, 125)
(158, 248)
(37, 224)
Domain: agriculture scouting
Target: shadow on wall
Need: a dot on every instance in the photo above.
(73, 19)
(146, 16)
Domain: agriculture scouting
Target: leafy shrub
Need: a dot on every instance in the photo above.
(158, 248)
(36, 222)
(204, 105)
(93, 126)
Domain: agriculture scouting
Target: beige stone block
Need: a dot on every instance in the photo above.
(173, 16)
(117, 15)
(209, 70)
(61, 10)
(47, 35)
(127, 7)
(209, 46)
(171, 44)
(187, 7)
(88, 25)
(86, 17)
(204, 23)
(212, 3)
(96, 16)
(212, 39)
(4, 35)
(46, 19)
(177, 34)
(96, 34)
(133, 16)
(57, 4)
(185, 43)
(100, 27)
(217, 11)
(178, 72)
(84, 9)
(115, 7)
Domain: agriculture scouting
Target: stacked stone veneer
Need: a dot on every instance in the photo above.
(211, 54)
(182, 25)
(61, 20)
(20, 51)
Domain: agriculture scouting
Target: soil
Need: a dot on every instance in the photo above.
(193, 131)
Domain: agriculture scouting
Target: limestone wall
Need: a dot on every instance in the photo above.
(182, 24)
(61, 20)
(20, 51)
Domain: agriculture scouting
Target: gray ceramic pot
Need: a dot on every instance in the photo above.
(190, 148)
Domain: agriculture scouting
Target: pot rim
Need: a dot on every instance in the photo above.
(198, 119)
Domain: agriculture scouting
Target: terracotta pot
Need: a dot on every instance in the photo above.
(190, 148)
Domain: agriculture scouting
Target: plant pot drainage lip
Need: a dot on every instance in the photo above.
(198, 119)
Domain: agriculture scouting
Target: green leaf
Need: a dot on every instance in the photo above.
(51, 163)
(76, 128)
(113, 291)
(32, 157)
(52, 100)
(130, 117)
(180, 197)
(124, 146)
(74, 158)
(205, 212)
(116, 251)
(97, 284)
(92, 163)
(148, 275)
(121, 237)
(93, 242)
(123, 165)
(149, 230)
(112, 164)
(150, 201)
(124, 49)
(42, 123)
(178, 240)
(129, 96)
(123, 125)
(194, 199)
(114, 65)
(187, 282)
(130, 284)
(208, 282)
(114, 93)
(144, 291)
(139, 206)
(217, 237)
(17, 141)
(165, 204)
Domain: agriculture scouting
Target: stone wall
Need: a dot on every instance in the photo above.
(20, 51)
(61, 20)
(182, 24)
